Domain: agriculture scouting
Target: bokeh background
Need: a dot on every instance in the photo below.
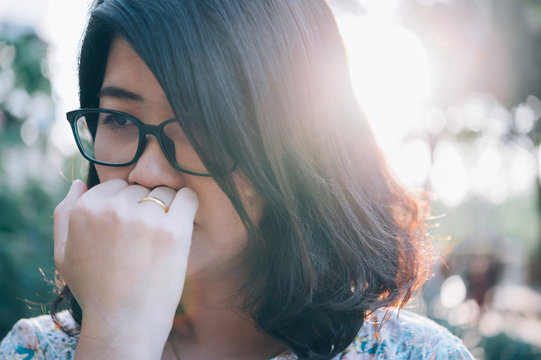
(452, 89)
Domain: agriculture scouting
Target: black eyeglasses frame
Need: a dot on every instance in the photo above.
(144, 130)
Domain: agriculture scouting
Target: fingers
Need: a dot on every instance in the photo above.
(105, 190)
(184, 206)
(61, 217)
(159, 197)
(62, 211)
(130, 196)
(77, 193)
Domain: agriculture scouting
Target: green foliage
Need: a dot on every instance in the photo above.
(27, 195)
(534, 10)
(515, 220)
(28, 62)
(503, 347)
(27, 247)
(28, 66)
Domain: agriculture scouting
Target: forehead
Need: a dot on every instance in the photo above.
(126, 70)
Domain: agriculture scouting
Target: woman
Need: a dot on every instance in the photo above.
(236, 205)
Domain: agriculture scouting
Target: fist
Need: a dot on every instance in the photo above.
(119, 256)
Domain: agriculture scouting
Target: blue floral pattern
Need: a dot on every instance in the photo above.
(404, 335)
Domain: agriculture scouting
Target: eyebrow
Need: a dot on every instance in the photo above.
(119, 93)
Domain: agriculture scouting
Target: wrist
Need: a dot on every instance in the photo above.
(107, 337)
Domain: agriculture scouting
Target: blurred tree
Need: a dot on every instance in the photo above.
(486, 46)
(487, 49)
(26, 198)
(503, 347)
(534, 16)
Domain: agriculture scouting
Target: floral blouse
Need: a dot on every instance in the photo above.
(403, 336)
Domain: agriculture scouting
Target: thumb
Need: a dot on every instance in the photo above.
(61, 218)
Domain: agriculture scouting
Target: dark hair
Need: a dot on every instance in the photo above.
(267, 81)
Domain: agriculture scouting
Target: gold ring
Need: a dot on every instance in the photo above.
(156, 201)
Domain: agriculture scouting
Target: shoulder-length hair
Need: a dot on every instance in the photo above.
(266, 83)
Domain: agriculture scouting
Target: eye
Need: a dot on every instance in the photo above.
(116, 120)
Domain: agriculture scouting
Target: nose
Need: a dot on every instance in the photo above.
(153, 169)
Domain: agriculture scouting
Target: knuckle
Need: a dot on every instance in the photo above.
(58, 261)
(59, 210)
(118, 181)
(137, 186)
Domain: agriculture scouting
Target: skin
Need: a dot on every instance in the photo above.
(127, 262)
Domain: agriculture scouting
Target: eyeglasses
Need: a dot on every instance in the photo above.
(113, 138)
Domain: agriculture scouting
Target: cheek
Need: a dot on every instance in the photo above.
(217, 215)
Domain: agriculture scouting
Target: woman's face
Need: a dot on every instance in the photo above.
(218, 234)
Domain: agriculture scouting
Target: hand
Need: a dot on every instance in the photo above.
(124, 261)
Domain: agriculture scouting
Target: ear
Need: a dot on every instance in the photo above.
(244, 185)
(249, 196)
(248, 191)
